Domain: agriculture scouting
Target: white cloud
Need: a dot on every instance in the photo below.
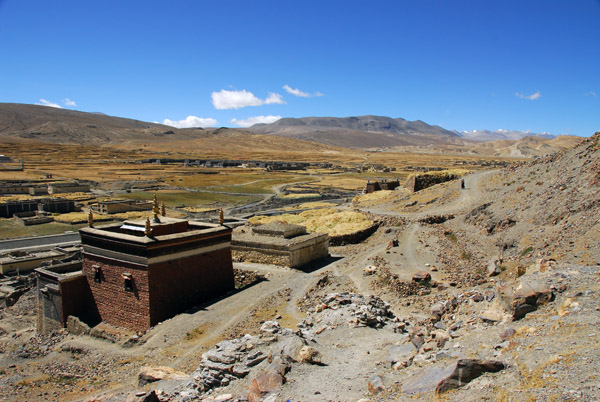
(69, 102)
(592, 93)
(298, 92)
(225, 99)
(533, 96)
(44, 102)
(250, 121)
(191, 121)
(274, 98)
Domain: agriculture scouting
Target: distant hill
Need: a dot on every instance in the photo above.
(486, 135)
(359, 132)
(21, 122)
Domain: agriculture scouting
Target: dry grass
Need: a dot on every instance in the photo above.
(322, 220)
(309, 205)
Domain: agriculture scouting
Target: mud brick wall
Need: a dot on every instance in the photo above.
(117, 306)
(180, 284)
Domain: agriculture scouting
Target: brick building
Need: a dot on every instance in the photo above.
(143, 272)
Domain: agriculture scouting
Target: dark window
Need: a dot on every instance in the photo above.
(97, 274)
(128, 282)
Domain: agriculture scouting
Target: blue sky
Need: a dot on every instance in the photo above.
(464, 65)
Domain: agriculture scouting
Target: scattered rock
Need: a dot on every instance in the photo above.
(493, 267)
(507, 334)
(401, 356)
(308, 354)
(421, 276)
(375, 385)
(265, 384)
(529, 293)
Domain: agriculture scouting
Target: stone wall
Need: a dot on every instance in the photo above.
(353, 238)
(415, 183)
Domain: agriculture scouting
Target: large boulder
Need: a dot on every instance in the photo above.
(525, 297)
(466, 370)
(153, 374)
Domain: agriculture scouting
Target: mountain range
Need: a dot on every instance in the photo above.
(23, 123)
(359, 132)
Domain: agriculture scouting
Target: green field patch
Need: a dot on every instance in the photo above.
(189, 198)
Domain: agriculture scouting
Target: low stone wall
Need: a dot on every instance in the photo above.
(353, 238)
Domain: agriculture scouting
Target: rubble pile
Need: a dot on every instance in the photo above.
(368, 311)
(230, 360)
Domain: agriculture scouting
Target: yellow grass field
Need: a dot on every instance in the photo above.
(321, 220)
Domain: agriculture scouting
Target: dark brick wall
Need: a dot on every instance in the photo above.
(115, 305)
(159, 292)
(177, 285)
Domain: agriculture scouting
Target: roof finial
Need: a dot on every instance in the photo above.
(148, 230)
(163, 209)
(155, 210)
(221, 217)
(91, 219)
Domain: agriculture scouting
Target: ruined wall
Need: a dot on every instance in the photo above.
(419, 182)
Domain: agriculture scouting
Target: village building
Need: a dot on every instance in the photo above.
(371, 187)
(117, 206)
(51, 205)
(137, 273)
(57, 188)
(143, 272)
(62, 291)
(23, 261)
